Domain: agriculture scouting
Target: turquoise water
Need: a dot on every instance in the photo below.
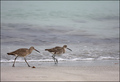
(89, 28)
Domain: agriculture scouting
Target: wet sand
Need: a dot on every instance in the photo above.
(61, 73)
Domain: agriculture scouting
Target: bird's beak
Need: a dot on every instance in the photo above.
(69, 49)
(36, 50)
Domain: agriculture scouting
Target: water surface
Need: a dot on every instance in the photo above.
(89, 28)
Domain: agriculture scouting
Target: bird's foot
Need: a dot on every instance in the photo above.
(13, 66)
(56, 62)
(29, 66)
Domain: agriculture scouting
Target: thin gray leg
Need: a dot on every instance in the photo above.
(55, 60)
(14, 61)
(26, 62)
(53, 57)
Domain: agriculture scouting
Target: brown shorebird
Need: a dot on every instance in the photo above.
(22, 52)
(57, 51)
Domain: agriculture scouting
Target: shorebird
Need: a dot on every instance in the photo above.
(22, 52)
(57, 51)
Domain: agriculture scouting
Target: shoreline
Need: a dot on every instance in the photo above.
(63, 63)
(61, 72)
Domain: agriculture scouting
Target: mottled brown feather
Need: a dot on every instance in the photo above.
(57, 50)
(22, 52)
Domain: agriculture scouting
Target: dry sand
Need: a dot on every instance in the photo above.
(62, 73)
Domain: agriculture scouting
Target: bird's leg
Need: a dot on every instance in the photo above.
(26, 62)
(53, 56)
(14, 61)
(55, 60)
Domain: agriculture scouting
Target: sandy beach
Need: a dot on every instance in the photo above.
(61, 73)
(89, 28)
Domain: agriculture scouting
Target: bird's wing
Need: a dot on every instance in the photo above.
(22, 50)
(57, 48)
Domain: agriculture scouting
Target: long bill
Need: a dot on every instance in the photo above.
(37, 50)
(69, 49)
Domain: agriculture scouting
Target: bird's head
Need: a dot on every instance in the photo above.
(32, 48)
(65, 46)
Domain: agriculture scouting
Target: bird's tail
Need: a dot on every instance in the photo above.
(10, 54)
(46, 49)
(49, 50)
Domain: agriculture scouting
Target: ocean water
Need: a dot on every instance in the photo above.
(89, 28)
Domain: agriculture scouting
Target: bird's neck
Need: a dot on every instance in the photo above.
(30, 50)
(63, 50)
